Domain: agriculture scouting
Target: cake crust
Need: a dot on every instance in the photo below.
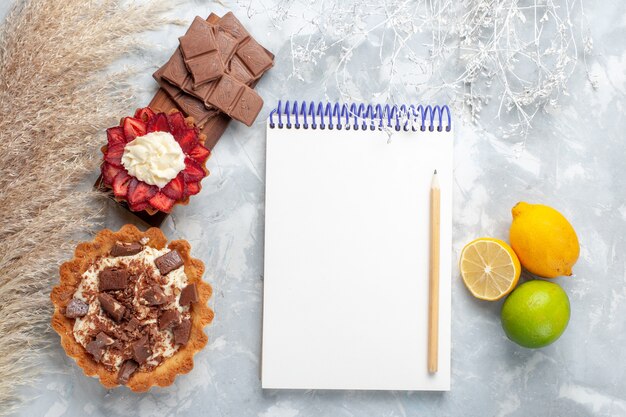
(71, 273)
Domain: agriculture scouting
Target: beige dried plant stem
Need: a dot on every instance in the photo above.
(55, 101)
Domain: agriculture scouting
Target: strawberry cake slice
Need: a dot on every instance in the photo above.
(153, 161)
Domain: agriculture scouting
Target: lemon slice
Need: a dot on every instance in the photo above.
(490, 268)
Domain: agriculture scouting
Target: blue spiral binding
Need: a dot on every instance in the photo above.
(364, 117)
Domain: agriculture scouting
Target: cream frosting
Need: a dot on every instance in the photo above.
(155, 158)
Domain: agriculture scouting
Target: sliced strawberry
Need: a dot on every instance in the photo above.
(193, 170)
(114, 154)
(115, 136)
(177, 122)
(139, 206)
(187, 139)
(158, 124)
(192, 188)
(144, 114)
(161, 202)
(139, 191)
(133, 128)
(120, 184)
(175, 188)
(199, 153)
(109, 172)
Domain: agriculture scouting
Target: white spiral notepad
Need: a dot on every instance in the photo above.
(347, 246)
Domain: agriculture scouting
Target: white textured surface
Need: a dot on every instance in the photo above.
(573, 159)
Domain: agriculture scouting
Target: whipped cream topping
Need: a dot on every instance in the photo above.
(141, 264)
(155, 158)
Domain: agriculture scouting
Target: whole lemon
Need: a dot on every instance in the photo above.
(535, 314)
(544, 240)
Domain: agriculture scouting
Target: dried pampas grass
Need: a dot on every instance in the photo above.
(55, 99)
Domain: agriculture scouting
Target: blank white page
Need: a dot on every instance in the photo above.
(347, 259)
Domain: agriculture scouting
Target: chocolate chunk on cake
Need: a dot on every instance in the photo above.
(76, 308)
(111, 306)
(169, 262)
(168, 318)
(153, 296)
(126, 249)
(141, 350)
(182, 332)
(127, 369)
(189, 295)
(113, 278)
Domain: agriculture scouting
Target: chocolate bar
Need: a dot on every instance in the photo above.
(236, 99)
(166, 97)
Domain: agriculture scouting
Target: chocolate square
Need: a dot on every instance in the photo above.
(225, 93)
(239, 71)
(111, 306)
(169, 318)
(182, 332)
(95, 350)
(104, 339)
(169, 262)
(126, 248)
(200, 92)
(154, 296)
(112, 278)
(199, 39)
(128, 368)
(232, 25)
(189, 295)
(255, 58)
(226, 44)
(76, 308)
(205, 68)
(247, 107)
(175, 70)
(141, 350)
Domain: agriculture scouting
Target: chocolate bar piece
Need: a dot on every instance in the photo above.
(226, 44)
(247, 106)
(126, 249)
(239, 71)
(128, 368)
(182, 332)
(111, 306)
(112, 278)
(168, 319)
(175, 70)
(199, 39)
(191, 106)
(76, 308)
(205, 68)
(154, 296)
(254, 58)
(199, 49)
(189, 295)
(236, 99)
(141, 350)
(233, 26)
(169, 262)
(96, 346)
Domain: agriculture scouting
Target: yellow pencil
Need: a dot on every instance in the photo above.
(433, 298)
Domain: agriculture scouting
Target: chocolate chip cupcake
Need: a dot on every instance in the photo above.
(130, 310)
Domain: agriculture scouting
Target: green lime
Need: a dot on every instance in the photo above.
(535, 314)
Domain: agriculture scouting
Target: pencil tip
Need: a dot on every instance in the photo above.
(435, 172)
